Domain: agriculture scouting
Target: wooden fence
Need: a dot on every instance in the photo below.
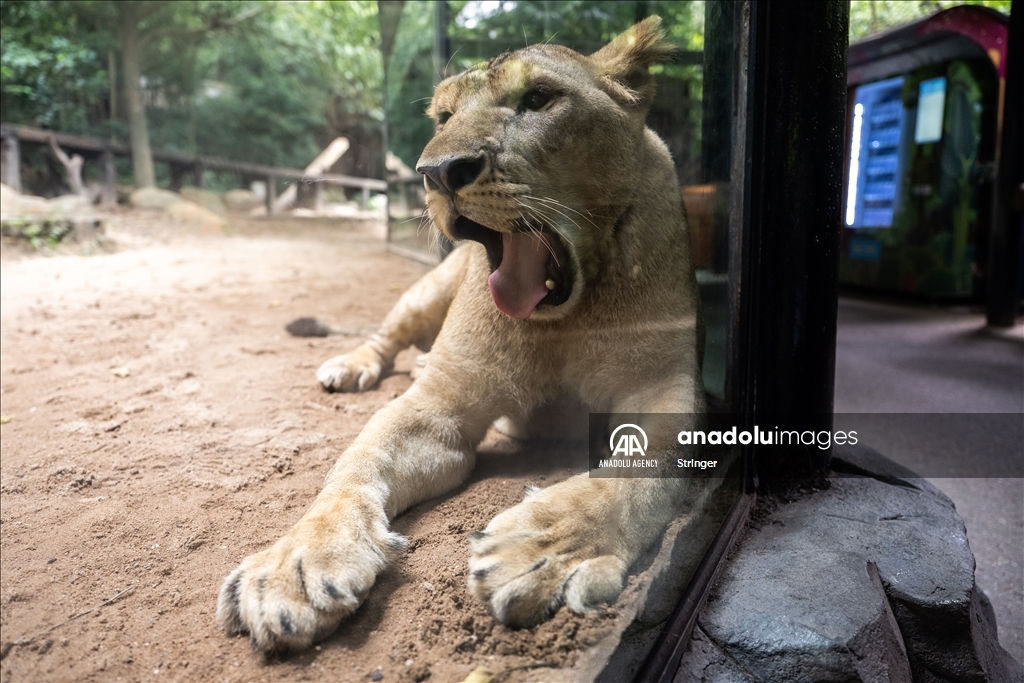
(181, 165)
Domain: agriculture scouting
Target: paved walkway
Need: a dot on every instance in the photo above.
(897, 358)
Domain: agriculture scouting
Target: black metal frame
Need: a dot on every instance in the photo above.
(789, 297)
(789, 113)
(1008, 205)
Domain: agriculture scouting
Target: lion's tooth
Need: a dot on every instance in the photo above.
(550, 284)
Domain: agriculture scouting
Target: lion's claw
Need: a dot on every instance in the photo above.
(525, 570)
(290, 596)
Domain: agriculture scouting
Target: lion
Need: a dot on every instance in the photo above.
(574, 277)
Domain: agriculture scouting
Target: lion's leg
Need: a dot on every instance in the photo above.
(415, 319)
(418, 447)
(573, 543)
(563, 418)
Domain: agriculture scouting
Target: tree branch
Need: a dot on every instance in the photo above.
(72, 165)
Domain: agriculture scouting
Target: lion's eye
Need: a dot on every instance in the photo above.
(443, 116)
(536, 99)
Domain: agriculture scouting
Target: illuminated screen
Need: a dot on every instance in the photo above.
(872, 191)
(931, 103)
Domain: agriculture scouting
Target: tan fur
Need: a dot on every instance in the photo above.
(627, 340)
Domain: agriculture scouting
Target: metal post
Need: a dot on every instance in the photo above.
(271, 195)
(403, 198)
(109, 196)
(442, 45)
(717, 122)
(1007, 219)
(177, 176)
(365, 198)
(199, 174)
(792, 246)
(12, 161)
(318, 196)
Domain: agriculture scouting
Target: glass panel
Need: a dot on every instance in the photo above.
(693, 112)
(439, 39)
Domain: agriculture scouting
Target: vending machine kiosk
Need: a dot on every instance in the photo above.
(923, 103)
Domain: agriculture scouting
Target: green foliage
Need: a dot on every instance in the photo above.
(273, 82)
(42, 234)
(275, 90)
(868, 17)
(50, 67)
(255, 81)
(412, 75)
(480, 30)
(584, 25)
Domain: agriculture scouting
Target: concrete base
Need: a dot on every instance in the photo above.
(870, 579)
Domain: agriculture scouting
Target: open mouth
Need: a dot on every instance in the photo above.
(529, 268)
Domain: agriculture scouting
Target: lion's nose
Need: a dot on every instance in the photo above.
(451, 175)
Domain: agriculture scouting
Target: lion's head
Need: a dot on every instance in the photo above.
(536, 155)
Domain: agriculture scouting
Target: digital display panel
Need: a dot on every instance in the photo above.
(931, 103)
(872, 191)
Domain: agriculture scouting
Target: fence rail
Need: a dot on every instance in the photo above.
(105, 151)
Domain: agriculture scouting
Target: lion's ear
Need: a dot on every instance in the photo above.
(622, 65)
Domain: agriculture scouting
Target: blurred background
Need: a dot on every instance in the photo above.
(255, 101)
(274, 83)
(261, 97)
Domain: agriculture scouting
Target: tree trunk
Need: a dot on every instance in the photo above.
(131, 67)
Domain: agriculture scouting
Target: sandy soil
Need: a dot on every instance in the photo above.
(163, 425)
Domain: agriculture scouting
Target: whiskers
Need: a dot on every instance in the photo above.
(433, 234)
(544, 210)
(555, 205)
(424, 225)
(532, 227)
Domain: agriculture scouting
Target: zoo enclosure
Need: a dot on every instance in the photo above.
(104, 152)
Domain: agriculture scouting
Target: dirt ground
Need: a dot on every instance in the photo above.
(161, 425)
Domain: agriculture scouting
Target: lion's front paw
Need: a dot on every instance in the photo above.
(539, 555)
(298, 590)
(358, 370)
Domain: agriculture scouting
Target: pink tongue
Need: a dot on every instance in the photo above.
(518, 284)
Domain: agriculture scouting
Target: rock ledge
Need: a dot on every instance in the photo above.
(871, 579)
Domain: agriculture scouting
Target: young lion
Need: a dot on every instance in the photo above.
(577, 280)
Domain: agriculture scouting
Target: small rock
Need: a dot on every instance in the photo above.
(14, 203)
(190, 213)
(69, 204)
(152, 198)
(240, 200)
(204, 198)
